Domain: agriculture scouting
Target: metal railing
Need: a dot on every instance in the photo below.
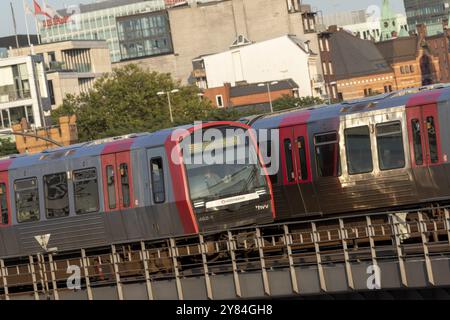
(299, 258)
(14, 95)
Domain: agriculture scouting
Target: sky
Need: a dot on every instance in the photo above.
(326, 6)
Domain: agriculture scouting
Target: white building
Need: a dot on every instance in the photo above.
(371, 29)
(23, 91)
(286, 57)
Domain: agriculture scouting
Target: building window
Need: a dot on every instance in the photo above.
(144, 35)
(86, 191)
(157, 173)
(219, 101)
(359, 151)
(330, 68)
(327, 154)
(391, 152)
(27, 200)
(51, 92)
(56, 195)
(324, 67)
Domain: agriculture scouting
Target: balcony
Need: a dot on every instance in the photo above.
(58, 66)
(14, 95)
(318, 80)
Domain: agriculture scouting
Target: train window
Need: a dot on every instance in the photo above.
(289, 162)
(327, 155)
(3, 204)
(432, 140)
(358, 148)
(111, 187)
(159, 193)
(86, 191)
(417, 141)
(303, 159)
(56, 195)
(391, 152)
(27, 200)
(125, 182)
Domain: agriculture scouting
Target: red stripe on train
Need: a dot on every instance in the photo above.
(423, 98)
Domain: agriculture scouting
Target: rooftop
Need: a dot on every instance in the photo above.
(357, 57)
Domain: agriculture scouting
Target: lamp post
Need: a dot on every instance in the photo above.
(168, 93)
(268, 84)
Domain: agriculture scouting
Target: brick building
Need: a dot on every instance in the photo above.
(66, 134)
(354, 68)
(250, 95)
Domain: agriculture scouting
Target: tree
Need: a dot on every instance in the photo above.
(289, 102)
(126, 101)
(7, 147)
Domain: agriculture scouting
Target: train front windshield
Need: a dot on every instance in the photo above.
(225, 178)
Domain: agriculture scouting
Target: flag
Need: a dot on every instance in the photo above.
(27, 9)
(38, 10)
(50, 11)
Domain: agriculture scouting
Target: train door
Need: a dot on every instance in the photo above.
(425, 150)
(117, 181)
(296, 170)
(5, 213)
(303, 166)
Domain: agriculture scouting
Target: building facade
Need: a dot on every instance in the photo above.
(286, 57)
(256, 95)
(96, 21)
(358, 68)
(430, 13)
(198, 29)
(65, 133)
(71, 66)
(23, 92)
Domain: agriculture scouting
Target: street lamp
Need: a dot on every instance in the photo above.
(168, 93)
(268, 84)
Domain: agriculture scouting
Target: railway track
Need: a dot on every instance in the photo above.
(345, 242)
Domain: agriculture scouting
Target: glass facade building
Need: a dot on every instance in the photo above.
(144, 35)
(430, 12)
(98, 21)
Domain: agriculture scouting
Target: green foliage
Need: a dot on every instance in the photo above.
(127, 101)
(289, 102)
(7, 147)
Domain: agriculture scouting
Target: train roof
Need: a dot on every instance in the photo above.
(91, 149)
(408, 98)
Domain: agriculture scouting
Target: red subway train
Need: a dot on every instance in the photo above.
(127, 189)
(385, 152)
